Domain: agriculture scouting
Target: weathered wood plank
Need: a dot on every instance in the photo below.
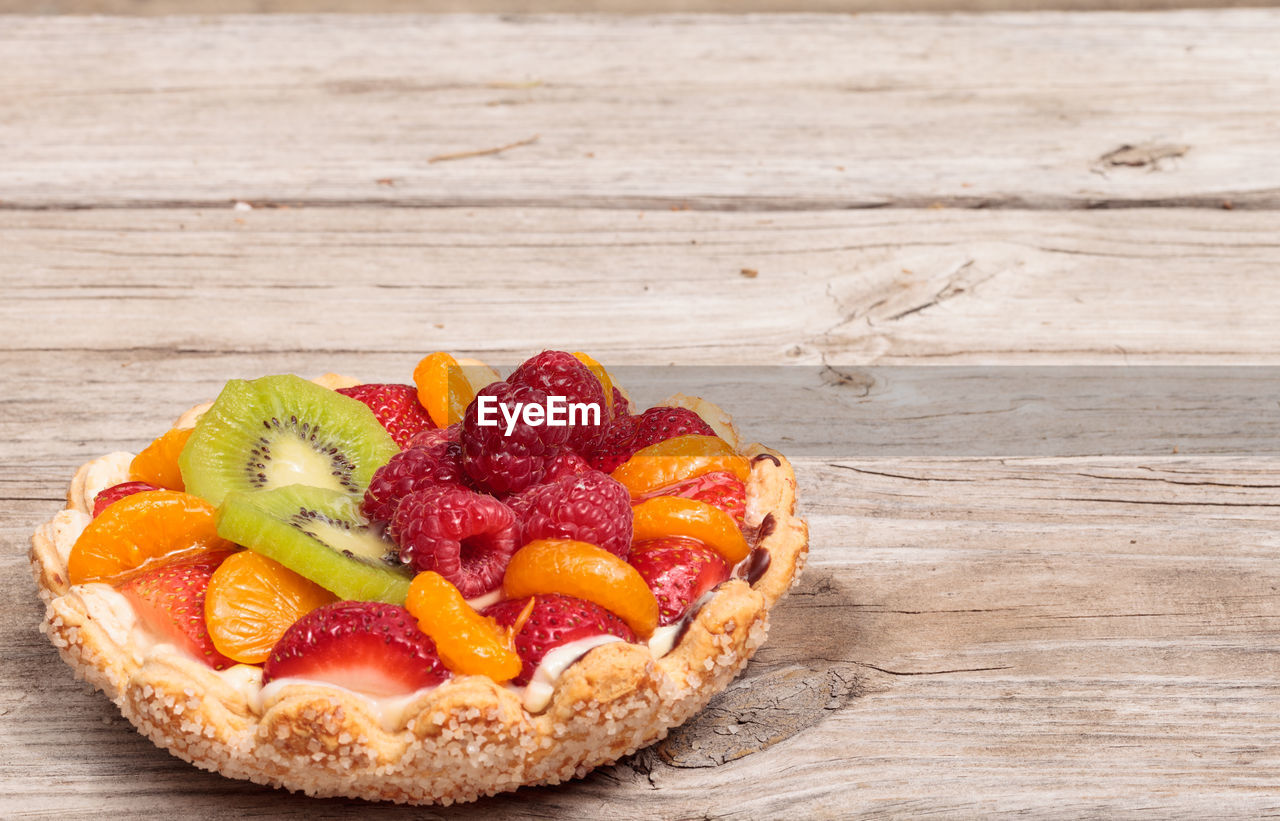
(793, 112)
(158, 7)
(1051, 636)
(320, 288)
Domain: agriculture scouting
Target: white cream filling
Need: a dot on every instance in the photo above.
(65, 527)
(112, 469)
(115, 615)
(663, 640)
(390, 710)
(111, 611)
(481, 602)
(542, 685)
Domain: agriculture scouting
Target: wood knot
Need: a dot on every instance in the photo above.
(758, 712)
(1141, 155)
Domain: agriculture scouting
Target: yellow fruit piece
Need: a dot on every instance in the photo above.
(674, 460)
(587, 572)
(443, 388)
(158, 462)
(141, 530)
(606, 381)
(677, 516)
(252, 601)
(469, 644)
(478, 374)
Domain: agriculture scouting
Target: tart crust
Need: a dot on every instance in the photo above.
(457, 742)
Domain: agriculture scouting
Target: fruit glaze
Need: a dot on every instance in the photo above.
(421, 593)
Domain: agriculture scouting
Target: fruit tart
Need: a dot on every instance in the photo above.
(424, 592)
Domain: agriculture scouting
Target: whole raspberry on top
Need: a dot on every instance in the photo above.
(409, 470)
(566, 463)
(465, 536)
(501, 463)
(431, 436)
(587, 507)
(561, 374)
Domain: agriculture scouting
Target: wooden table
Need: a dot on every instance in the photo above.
(183, 201)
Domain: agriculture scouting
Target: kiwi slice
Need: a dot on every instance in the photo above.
(283, 430)
(318, 533)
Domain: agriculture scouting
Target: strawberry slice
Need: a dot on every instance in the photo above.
(117, 492)
(396, 407)
(170, 601)
(627, 434)
(678, 571)
(554, 620)
(369, 647)
(720, 489)
(615, 446)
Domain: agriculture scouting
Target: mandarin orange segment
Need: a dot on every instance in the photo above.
(158, 462)
(606, 381)
(677, 459)
(140, 530)
(443, 388)
(469, 644)
(252, 601)
(586, 572)
(676, 516)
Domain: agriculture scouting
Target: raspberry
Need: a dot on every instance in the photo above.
(465, 536)
(504, 464)
(431, 436)
(410, 470)
(589, 507)
(566, 463)
(561, 374)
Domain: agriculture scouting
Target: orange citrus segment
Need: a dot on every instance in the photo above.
(443, 388)
(469, 644)
(252, 601)
(677, 516)
(606, 382)
(140, 530)
(677, 459)
(587, 572)
(158, 462)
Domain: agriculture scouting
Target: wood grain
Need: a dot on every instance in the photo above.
(721, 112)
(1037, 635)
(896, 286)
(985, 629)
(163, 7)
